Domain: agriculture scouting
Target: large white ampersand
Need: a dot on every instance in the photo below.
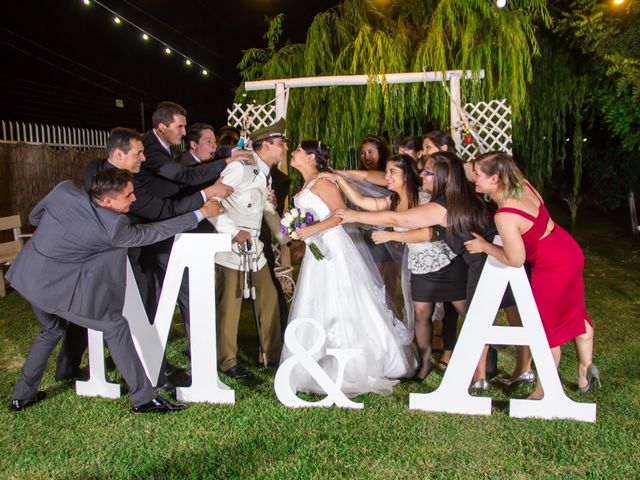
(301, 355)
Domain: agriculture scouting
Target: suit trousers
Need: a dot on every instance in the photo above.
(228, 314)
(117, 336)
(75, 340)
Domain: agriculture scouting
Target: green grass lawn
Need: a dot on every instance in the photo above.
(68, 436)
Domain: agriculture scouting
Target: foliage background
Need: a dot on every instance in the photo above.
(568, 68)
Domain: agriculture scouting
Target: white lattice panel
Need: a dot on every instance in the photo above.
(491, 121)
(250, 117)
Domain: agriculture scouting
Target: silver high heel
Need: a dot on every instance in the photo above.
(480, 385)
(593, 373)
(526, 377)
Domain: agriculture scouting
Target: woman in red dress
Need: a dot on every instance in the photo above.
(556, 260)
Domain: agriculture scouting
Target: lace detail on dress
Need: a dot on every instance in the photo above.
(427, 257)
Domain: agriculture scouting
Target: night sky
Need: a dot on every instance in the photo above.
(65, 63)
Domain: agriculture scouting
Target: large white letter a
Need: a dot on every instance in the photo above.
(452, 395)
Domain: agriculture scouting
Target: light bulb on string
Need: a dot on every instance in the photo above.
(618, 2)
(502, 3)
(168, 50)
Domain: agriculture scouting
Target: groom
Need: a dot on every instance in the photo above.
(244, 210)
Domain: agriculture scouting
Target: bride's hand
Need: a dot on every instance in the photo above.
(381, 236)
(346, 215)
(302, 233)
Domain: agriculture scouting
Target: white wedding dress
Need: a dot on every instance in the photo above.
(341, 294)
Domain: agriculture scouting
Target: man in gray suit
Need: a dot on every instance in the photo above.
(74, 269)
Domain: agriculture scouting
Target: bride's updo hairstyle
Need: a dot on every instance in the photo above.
(320, 150)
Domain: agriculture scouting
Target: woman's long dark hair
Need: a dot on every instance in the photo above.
(384, 151)
(320, 150)
(412, 180)
(441, 138)
(466, 212)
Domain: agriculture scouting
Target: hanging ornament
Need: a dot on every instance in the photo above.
(467, 139)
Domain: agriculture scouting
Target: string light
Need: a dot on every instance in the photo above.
(502, 3)
(168, 50)
(618, 2)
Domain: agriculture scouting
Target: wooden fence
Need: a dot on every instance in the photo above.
(28, 172)
(52, 135)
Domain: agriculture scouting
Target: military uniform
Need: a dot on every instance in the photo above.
(244, 210)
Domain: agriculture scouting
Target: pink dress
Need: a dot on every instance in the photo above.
(557, 264)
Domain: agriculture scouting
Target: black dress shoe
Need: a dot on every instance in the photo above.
(174, 370)
(239, 373)
(167, 386)
(18, 405)
(158, 405)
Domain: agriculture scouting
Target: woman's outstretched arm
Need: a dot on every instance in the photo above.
(368, 203)
(422, 216)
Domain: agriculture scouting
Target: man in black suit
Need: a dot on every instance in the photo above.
(280, 183)
(201, 145)
(163, 177)
(125, 150)
(201, 148)
(74, 270)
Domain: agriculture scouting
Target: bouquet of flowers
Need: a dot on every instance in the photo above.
(298, 218)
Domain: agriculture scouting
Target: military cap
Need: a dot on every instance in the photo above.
(274, 131)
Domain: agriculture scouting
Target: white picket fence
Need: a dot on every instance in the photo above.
(52, 135)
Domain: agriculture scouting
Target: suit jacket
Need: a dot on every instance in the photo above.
(187, 160)
(280, 183)
(163, 177)
(147, 207)
(76, 260)
(243, 211)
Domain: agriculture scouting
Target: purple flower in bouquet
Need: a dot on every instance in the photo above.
(297, 218)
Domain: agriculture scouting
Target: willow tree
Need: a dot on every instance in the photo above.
(358, 37)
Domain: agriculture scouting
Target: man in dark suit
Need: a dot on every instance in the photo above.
(163, 177)
(74, 270)
(201, 145)
(280, 183)
(201, 148)
(125, 150)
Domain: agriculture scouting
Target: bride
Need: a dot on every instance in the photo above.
(341, 293)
